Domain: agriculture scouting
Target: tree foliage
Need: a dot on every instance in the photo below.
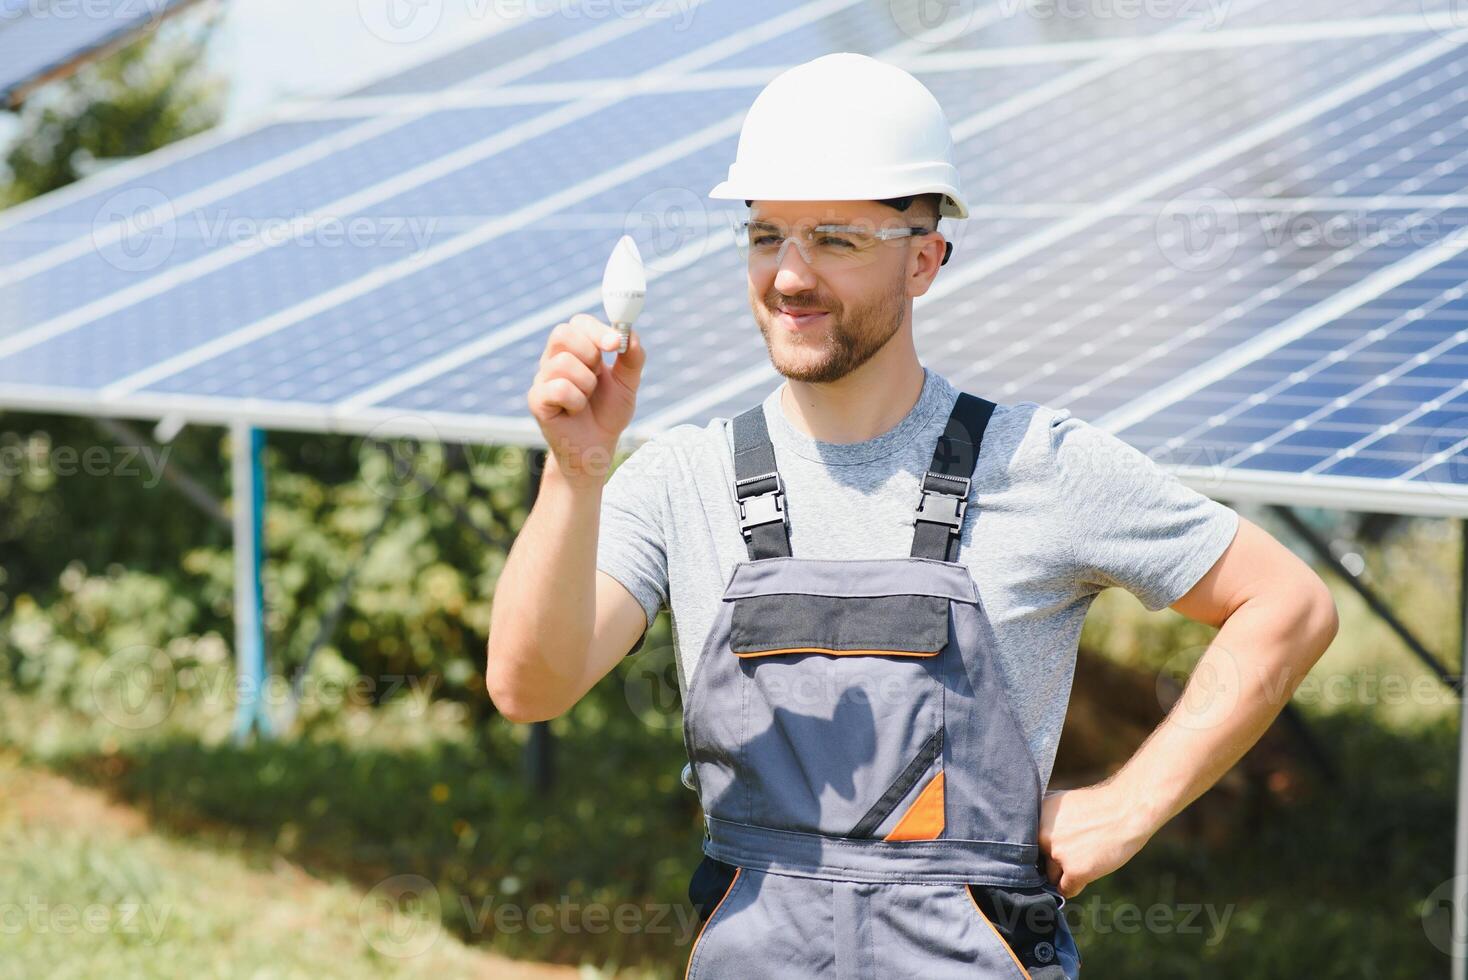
(147, 94)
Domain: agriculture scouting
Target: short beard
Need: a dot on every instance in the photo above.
(849, 342)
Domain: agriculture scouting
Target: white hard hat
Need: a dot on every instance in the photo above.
(845, 127)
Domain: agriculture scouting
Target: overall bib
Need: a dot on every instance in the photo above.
(871, 807)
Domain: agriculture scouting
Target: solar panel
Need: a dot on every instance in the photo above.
(1062, 23)
(99, 260)
(40, 39)
(240, 283)
(691, 28)
(1095, 155)
(73, 212)
(1379, 393)
(546, 37)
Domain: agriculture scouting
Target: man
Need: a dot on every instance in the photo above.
(877, 584)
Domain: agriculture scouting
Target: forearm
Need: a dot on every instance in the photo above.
(1256, 661)
(543, 615)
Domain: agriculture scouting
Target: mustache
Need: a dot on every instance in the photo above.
(774, 303)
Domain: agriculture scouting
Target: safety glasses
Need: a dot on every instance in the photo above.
(825, 248)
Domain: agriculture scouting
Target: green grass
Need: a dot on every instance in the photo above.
(412, 791)
(91, 890)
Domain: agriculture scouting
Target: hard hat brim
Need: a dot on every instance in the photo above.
(952, 204)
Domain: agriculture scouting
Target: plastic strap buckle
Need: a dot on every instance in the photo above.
(942, 507)
(762, 508)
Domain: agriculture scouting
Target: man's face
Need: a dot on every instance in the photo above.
(864, 306)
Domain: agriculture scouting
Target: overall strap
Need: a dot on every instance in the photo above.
(944, 499)
(758, 489)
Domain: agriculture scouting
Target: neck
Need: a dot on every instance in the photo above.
(863, 404)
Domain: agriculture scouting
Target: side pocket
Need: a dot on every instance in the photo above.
(1027, 921)
(710, 882)
(714, 905)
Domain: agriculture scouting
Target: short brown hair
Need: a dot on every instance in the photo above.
(927, 203)
(930, 203)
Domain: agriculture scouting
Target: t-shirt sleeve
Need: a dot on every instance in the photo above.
(632, 543)
(1130, 523)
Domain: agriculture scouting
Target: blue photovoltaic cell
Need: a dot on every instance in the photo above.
(1058, 23)
(683, 30)
(454, 303)
(531, 35)
(977, 26)
(144, 333)
(1117, 312)
(853, 28)
(51, 226)
(1407, 138)
(1097, 140)
(1300, 12)
(572, 153)
(37, 38)
(372, 338)
(1377, 393)
(237, 218)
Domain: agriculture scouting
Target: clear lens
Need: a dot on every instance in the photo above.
(823, 247)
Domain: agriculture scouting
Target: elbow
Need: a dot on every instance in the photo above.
(521, 713)
(511, 698)
(1320, 619)
(506, 704)
(512, 705)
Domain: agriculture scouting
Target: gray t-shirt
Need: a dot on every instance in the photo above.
(1059, 510)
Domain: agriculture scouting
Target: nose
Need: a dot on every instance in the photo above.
(793, 273)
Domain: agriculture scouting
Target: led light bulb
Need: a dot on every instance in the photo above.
(623, 286)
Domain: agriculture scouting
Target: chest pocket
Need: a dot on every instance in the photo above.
(842, 699)
(894, 625)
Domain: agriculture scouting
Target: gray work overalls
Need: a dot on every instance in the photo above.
(871, 807)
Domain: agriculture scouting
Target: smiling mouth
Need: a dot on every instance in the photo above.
(800, 318)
